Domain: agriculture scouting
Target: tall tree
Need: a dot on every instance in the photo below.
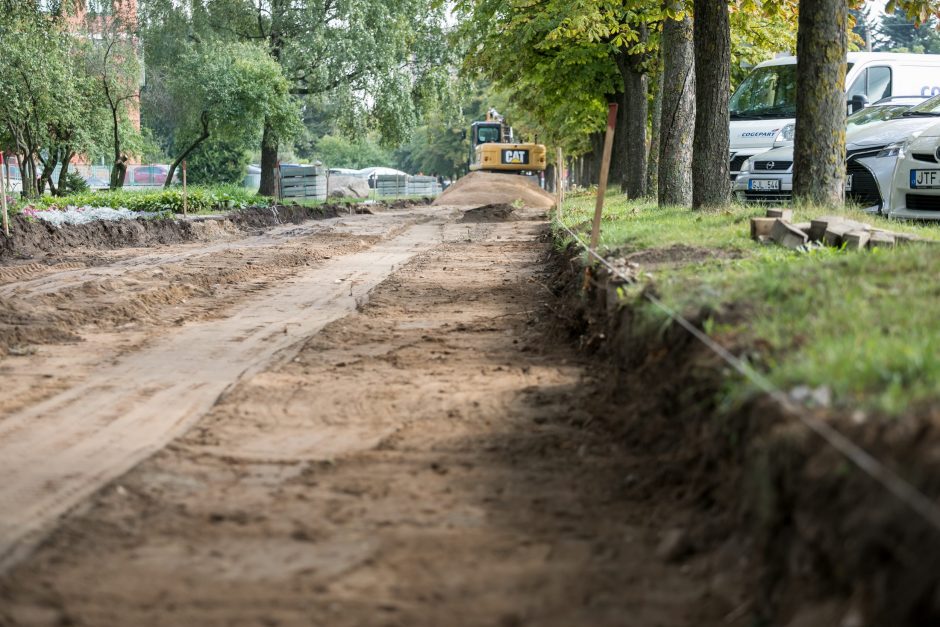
(228, 89)
(899, 33)
(373, 56)
(114, 61)
(819, 151)
(45, 102)
(710, 168)
(677, 124)
(656, 111)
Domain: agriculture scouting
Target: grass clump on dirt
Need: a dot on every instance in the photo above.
(862, 324)
(200, 199)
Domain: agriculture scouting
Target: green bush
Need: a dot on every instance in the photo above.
(72, 183)
(200, 199)
(218, 161)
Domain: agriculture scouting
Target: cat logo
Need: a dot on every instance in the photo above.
(516, 156)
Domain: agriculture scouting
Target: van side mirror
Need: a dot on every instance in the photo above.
(857, 103)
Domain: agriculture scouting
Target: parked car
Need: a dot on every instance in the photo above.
(768, 177)
(763, 108)
(915, 189)
(150, 175)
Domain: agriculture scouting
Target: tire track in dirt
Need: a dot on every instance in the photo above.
(422, 462)
(56, 453)
(55, 325)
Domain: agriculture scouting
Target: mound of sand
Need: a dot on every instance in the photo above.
(487, 188)
(490, 213)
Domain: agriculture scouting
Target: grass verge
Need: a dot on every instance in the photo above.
(862, 324)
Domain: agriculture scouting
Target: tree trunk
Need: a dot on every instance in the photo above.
(28, 175)
(618, 156)
(711, 182)
(268, 162)
(819, 150)
(119, 169)
(634, 91)
(204, 118)
(677, 127)
(66, 162)
(48, 169)
(652, 167)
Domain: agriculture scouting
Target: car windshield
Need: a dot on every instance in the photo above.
(767, 92)
(875, 113)
(926, 109)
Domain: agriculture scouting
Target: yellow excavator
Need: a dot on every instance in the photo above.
(493, 149)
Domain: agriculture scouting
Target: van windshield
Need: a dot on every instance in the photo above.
(767, 92)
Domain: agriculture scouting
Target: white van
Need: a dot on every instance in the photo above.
(763, 107)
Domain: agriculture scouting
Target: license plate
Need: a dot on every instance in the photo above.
(925, 179)
(764, 185)
(516, 156)
(848, 182)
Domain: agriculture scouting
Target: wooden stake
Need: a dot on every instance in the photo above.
(605, 169)
(3, 198)
(185, 203)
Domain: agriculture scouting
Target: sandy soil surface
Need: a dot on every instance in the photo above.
(486, 188)
(434, 457)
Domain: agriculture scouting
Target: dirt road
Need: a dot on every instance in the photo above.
(429, 455)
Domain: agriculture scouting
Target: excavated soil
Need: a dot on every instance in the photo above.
(38, 239)
(488, 188)
(437, 457)
(490, 213)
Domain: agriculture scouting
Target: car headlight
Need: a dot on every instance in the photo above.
(786, 135)
(747, 166)
(892, 150)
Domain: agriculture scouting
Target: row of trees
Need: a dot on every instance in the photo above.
(562, 61)
(372, 66)
(223, 79)
(670, 64)
(52, 86)
(70, 85)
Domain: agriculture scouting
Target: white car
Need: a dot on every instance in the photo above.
(915, 191)
(768, 177)
(763, 107)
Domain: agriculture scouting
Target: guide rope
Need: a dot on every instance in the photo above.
(890, 480)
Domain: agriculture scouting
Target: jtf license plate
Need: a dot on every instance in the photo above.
(764, 185)
(516, 157)
(925, 179)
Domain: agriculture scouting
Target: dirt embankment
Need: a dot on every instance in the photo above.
(824, 543)
(488, 188)
(35, 238)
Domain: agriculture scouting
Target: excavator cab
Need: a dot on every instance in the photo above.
(493, 149)
(487, 133)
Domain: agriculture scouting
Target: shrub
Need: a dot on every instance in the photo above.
(72, 183)
(200, 199)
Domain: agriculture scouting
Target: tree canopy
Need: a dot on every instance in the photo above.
(378, 61)
(228, 89)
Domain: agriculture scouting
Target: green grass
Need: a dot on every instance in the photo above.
(209, 199)
(865, 324)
